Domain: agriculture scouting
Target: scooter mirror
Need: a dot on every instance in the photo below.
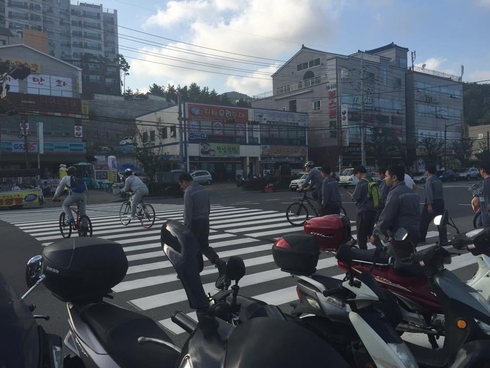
(401, 234)
(34, 270)
(438, 220)
(181, 247)
(235, 268)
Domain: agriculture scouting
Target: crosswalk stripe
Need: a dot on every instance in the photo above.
(151, 284)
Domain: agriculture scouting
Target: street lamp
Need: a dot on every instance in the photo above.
(445, 139)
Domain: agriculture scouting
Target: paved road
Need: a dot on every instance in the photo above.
(151, 285)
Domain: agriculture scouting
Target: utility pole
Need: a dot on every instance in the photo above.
(363, 128)
(26, 147)
(181, 135)
(339, 121)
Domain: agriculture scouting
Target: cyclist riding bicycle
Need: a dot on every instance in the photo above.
(76, 192)
(134, 184)
(313, 181)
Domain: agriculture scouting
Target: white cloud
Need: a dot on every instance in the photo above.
(484, 2)
(478, 76)
(273, 29)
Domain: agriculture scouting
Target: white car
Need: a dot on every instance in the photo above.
(347, 178)
(202, 177)
(296, 183)
(125, 141)
(467, 174)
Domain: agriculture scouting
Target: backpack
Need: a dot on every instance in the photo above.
(77, 185)
(373, 192)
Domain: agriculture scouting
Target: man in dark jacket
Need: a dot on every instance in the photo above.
(366, 213)
(331, 201)
(197, 208)
(434, 205)
(402, 209)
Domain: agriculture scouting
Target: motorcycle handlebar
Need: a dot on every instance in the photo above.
(184, 321)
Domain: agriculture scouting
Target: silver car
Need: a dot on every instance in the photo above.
(202, 177)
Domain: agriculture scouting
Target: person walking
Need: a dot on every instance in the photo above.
(484, 205)
(331, 201)
(402, 209)
(383, 189)
(366, 213)
(434, 205)
(313, 181)
(134, 184)
(197, 207)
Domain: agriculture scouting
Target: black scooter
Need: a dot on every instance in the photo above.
(82, 271)
(23, 342)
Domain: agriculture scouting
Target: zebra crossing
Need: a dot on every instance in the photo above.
(151, 284)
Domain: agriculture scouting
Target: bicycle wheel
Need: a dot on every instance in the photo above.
(146, 215)
(477, 221)
(297, 214)
(124, 212)
(342, 211)
(85, 226)
(65, 228)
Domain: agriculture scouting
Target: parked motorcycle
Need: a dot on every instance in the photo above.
(24, 343)
(377, 316)
(82, 271)
(240, 180)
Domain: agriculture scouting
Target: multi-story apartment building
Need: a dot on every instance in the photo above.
(84, 35)
(434, 109)
(348, 96)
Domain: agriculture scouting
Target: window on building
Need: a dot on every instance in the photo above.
(480, 135)
(308, 75)
(397, 82)
(317, 105)
(152, 136)
(163, 133)
(173, 131)
(292, 105)
(144, 138)
(401, 63)
(344, 73)
(317, 61)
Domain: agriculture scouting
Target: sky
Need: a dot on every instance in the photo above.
(236, 45)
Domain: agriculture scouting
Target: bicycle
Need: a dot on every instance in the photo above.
(476, 190)
(81, 224)
(297, 212)
(144, 211)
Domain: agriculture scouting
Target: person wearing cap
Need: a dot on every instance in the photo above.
(134, 184)
(313, 182)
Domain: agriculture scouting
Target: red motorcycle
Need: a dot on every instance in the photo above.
(422, 312)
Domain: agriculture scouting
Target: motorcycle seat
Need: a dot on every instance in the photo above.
(118, 330)
(408, 269)
(367, 255)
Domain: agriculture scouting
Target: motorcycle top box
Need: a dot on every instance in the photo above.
(331, 231)
(83, 268)
(296, 254)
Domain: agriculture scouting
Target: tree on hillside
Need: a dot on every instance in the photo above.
(476, 103)
(124, 67)
(157, 90)
(171, 93)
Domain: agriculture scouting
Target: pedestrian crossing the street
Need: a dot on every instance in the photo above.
(151, 284)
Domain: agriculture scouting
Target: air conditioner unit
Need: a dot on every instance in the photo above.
(172, 134)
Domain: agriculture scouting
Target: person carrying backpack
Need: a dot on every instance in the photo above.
(367, 196)
(76, 192)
